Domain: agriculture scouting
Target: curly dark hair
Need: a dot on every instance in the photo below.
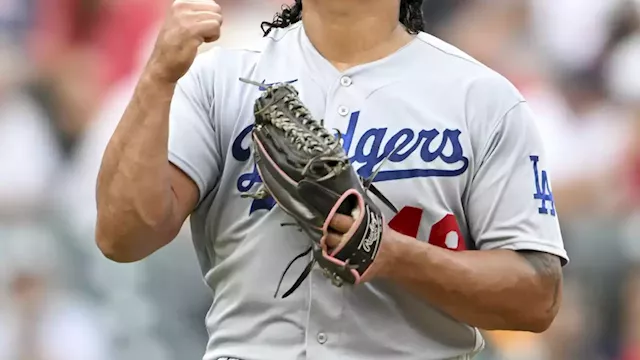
(410, 16)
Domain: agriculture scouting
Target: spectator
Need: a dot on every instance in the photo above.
(28, 153)
(39, 319)
(624, 84)
(574, 60)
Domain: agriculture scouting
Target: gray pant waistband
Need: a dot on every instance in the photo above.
(463, 357)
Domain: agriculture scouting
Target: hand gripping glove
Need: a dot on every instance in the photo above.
(306, 170)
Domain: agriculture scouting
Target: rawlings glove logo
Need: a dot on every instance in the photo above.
(373, 234)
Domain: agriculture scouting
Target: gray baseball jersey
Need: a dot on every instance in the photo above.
(468, 174)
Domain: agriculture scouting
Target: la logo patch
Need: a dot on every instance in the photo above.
(543, 189)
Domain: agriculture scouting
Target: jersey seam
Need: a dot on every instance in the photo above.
(531, 244)
(210, 107)
(232, 49)
(494, 130)
(285, 32)
(470, 61)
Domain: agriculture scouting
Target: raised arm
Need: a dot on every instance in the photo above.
(142, 198)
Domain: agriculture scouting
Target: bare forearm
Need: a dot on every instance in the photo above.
(142, 199)
(496, 289)
(134, 192)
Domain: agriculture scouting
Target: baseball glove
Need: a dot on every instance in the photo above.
(306, 170)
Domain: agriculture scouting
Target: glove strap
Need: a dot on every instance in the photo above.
(300, 279)
(374, 190)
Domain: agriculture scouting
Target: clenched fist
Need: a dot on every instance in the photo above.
(188, 24)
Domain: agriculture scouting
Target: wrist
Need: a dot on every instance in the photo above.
(155, 76)
(151, 82)
(391, 249)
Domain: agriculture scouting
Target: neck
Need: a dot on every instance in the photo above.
(352, 32)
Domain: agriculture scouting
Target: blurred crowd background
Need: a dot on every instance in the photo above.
(68, 67)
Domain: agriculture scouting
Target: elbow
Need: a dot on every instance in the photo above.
(126, 233)
(118, 256)
(540, 316)
(540, 323)
(115, 247)
(534, 322)
(114, 252)
(124, 244)
(540, 295)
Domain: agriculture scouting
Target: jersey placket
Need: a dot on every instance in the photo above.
(327, 302)
(343, 100)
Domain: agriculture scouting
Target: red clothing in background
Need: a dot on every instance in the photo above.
(112, 32)
(635, 183)
(631, 353)
(61, 25)
(121, 33)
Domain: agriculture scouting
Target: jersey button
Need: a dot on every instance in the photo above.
(343, 110)
(346, 81)
(322, 338)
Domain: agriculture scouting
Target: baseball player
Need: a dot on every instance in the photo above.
(473, 242)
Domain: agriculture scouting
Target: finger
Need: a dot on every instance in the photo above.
(206, 23)
(208, 30)
(202, 16)
(185, 6)
(333, 240)
(341, 223)
(198, 5)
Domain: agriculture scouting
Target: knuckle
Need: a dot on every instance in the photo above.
(216, 8)
(193, 32)
(210, 7)
(183, 22)
(179, 5)
(212, 26)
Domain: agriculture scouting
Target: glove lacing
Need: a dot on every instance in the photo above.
(335, 279)
(313, 138)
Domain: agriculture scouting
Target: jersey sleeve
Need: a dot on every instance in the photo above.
(511, 202)
(193, 143)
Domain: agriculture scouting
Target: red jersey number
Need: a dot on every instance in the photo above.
(445, 233)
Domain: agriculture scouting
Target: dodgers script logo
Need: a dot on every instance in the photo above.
(440, 151)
